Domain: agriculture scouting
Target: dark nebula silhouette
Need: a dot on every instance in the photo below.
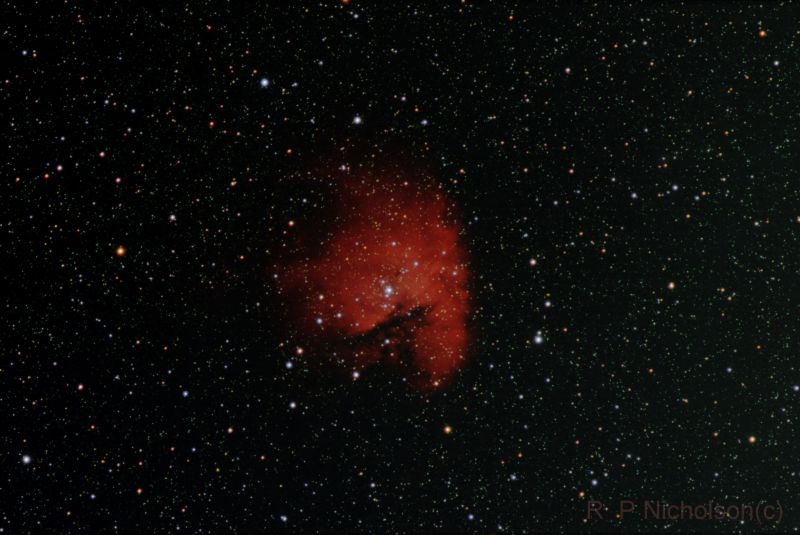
(382, 279)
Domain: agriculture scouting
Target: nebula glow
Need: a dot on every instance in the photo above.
(384, 281)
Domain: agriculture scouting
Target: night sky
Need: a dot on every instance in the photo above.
(355, 266)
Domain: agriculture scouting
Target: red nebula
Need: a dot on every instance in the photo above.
(384, 280)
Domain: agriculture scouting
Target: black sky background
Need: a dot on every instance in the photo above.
(681, 131)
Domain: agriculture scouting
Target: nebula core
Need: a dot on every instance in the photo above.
(383, 281)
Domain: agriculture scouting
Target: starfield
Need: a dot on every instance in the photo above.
(354, 266)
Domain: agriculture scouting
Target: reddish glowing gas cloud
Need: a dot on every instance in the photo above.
(383, 280)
